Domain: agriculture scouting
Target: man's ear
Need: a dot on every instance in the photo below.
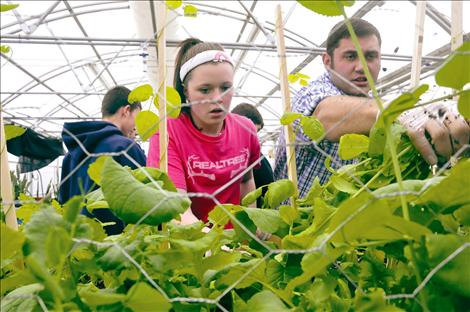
(326, 60)
(125, 110)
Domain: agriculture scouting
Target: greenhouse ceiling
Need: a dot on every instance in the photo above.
(66, 54)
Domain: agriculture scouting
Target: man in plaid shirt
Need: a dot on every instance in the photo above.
(339, 99)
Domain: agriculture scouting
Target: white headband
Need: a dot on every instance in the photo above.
(204, 57)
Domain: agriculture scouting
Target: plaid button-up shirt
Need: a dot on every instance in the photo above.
(310, 157)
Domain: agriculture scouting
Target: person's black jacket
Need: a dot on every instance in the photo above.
(263, 176)
(95, 137)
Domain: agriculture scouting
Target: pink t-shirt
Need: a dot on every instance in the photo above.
(199, 163)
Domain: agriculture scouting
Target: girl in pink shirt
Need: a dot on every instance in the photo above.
(210, 151)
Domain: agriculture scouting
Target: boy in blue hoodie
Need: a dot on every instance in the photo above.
(110, 135)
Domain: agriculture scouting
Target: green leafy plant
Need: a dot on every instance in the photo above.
(366, 240)
(147, 122)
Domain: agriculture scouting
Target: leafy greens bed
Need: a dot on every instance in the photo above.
(383, 234)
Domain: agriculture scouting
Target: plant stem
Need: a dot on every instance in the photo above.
(379, 172)
(389, 141)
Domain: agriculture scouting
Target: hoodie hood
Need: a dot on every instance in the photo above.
(89, 133)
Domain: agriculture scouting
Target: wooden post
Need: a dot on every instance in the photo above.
(161, 83)
(288, 131)
(7, 190)
(418, 43)
(456, 29)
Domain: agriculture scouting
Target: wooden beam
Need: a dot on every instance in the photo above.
(418, 44)
(456, 27)
(284, 83)
(6, 188)
(161, 83)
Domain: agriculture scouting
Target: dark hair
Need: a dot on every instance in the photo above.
(188, 49)
(250, 112)
(361, 27)
(116, 98)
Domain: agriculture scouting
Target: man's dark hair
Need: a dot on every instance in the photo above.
(250, 112)
(116, 98)
(361, 27)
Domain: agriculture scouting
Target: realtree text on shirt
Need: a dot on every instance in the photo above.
(310, 159)
(199, 163)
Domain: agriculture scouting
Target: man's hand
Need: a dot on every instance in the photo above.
(448, 131)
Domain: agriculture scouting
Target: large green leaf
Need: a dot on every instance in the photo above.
(219, 217)
(373, 300)
(464, 104)
(352, 145)
(142, 298)
(266, 301)
(328, 8)
(72, 208)
(320, 291)
(342, 184)
(147, 124)
(252, 196)
(188, 232)
(37, 231)
(314, 264)
(454, 72)
(57, 245)
(463, 215)
(147, 175)
(131, 200)
(279, 191)
(229, 275)
(92, 296)
(199, 245)
(288, 214)
(22, 299)
(312, 127)
(11, 242)
(15, 281)
(357, 216)
(114, 258)
(395, 228)
(402, 103)
(220, 260)
(289, 117)
(28, 208)
(377, 140)
(42, 274)
(140, 94)
(452, 192)
(12, 131)
(95, 169)
(266, 220)
(173, 102)
(454, 275)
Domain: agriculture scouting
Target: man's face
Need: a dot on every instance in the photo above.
(346, 68)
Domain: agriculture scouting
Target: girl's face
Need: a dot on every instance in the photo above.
(209, 90)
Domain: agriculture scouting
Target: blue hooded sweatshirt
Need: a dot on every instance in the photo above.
(96, 137)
